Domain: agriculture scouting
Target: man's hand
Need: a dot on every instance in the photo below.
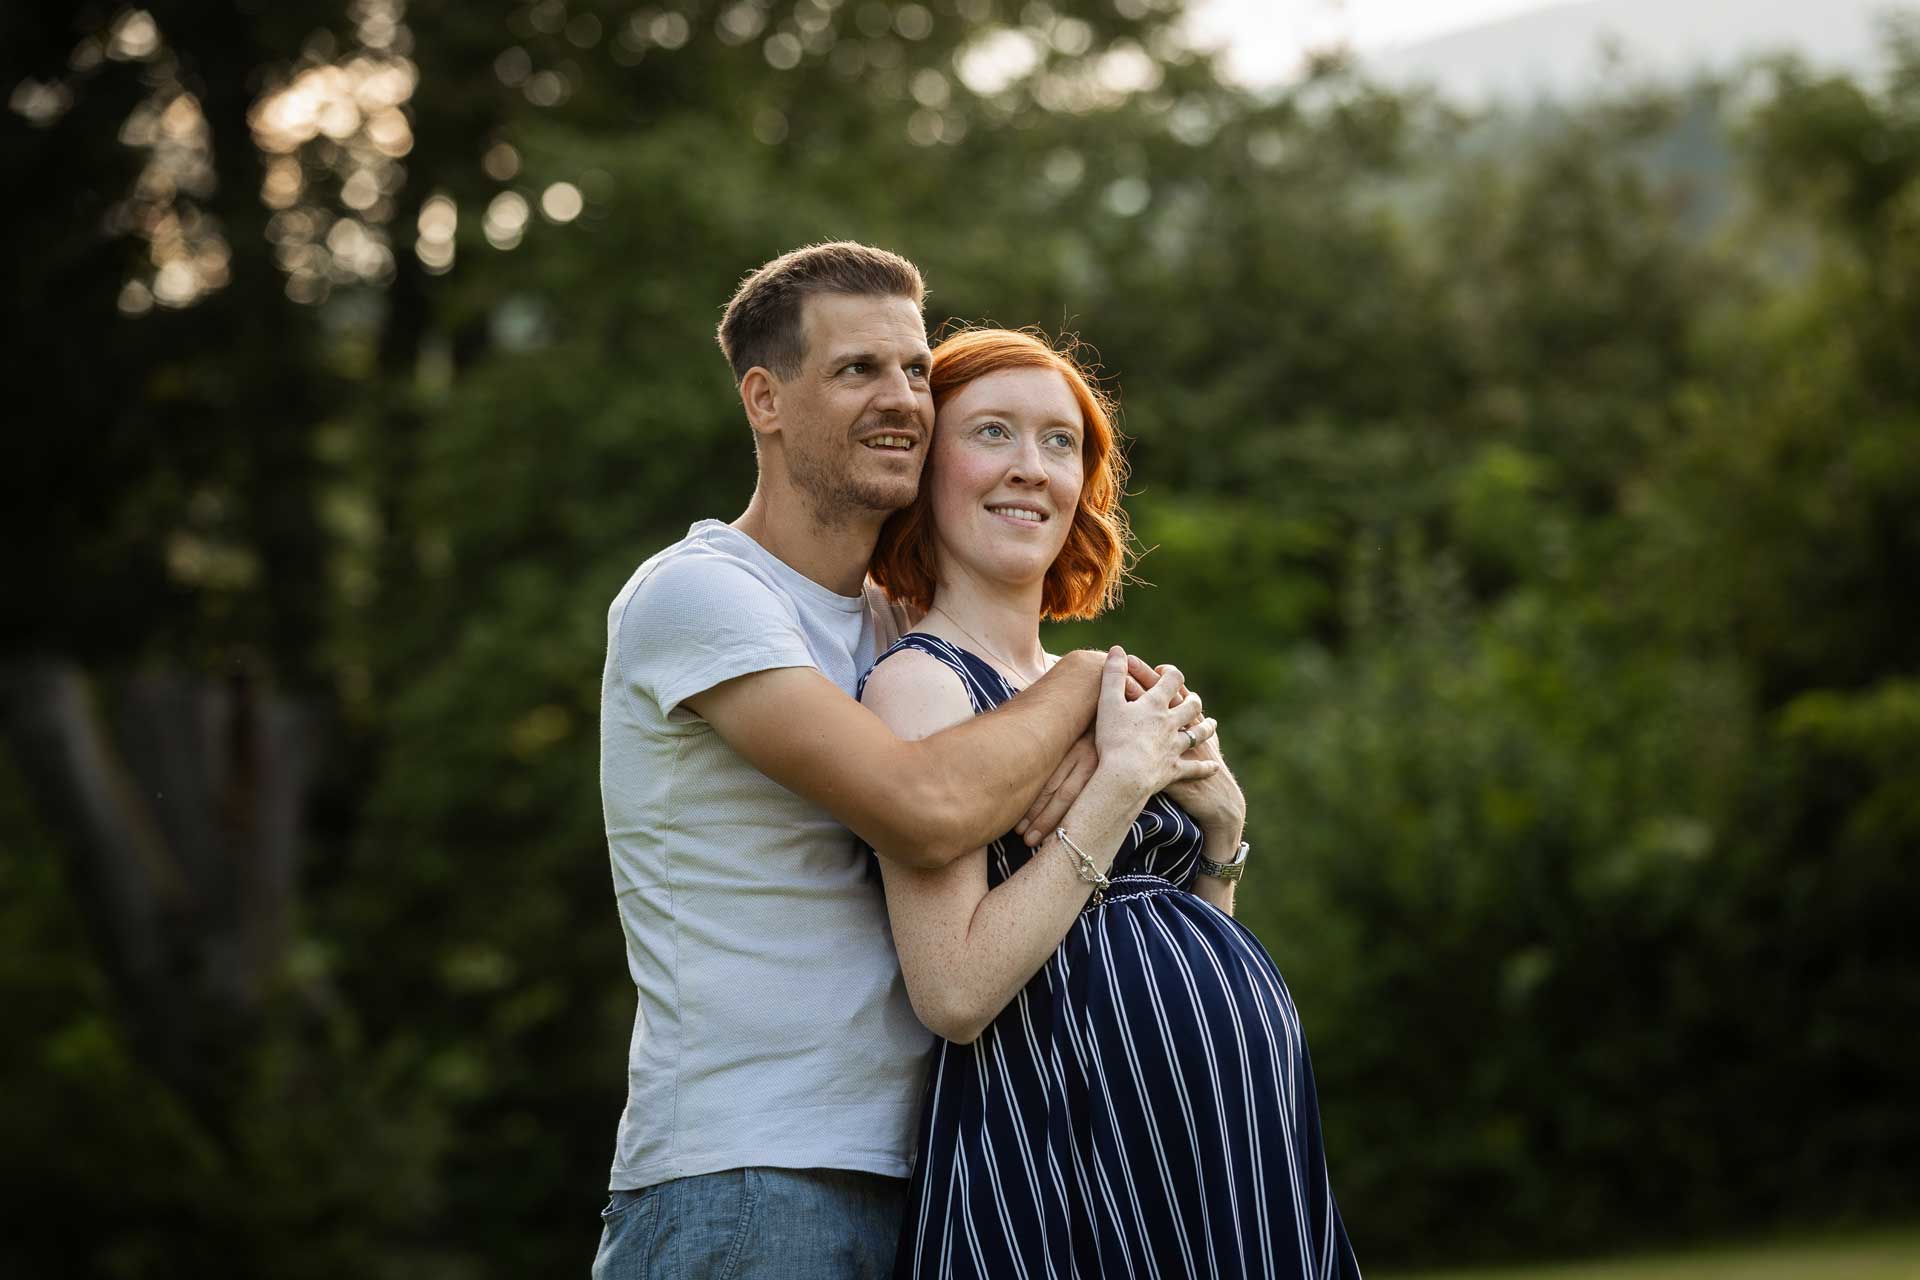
(1060, 791)
(1141, 677)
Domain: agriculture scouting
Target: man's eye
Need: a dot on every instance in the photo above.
(916, 371)
(858, 366)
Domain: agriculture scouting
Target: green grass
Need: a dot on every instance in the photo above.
(1890, 1255)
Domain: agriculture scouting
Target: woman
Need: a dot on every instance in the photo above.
(1121, 1088)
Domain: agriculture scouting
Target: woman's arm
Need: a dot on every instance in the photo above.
(965, 952)
(1223, 842)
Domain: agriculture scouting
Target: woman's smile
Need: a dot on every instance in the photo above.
(1020, 513)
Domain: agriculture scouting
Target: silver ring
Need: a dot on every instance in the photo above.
(1192, 741)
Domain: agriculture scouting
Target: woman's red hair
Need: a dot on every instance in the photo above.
(1085, 578)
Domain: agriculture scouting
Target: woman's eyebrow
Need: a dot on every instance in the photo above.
(1051, 420)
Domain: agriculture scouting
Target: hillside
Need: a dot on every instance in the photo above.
(1563, 50)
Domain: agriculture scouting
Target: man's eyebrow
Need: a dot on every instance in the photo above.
(841, 359)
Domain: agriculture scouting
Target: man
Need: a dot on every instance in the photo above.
(774, 1072)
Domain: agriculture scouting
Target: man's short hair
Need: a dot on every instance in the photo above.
(762, 323)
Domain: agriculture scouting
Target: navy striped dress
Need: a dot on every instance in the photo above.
(1143, 1108)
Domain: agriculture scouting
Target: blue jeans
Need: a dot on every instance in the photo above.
(754, 1224)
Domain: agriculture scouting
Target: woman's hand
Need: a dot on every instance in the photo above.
(1149, 743)
(1070, 777)
(1213, 800)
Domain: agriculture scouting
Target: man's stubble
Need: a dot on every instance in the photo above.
(835, 497)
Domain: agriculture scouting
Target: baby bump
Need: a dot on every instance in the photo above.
(1166, 994)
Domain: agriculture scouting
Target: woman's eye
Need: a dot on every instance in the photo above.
(1060, 440)
(993, 429)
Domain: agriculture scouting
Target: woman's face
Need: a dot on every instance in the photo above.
(1006, 472)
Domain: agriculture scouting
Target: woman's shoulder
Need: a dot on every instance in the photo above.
(908, 662)
(924, 653)
(915, 691)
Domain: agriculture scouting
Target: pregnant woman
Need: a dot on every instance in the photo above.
(1121, 1087)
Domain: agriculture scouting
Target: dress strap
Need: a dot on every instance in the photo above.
(986, 687)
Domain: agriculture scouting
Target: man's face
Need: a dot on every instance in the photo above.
(856, 421)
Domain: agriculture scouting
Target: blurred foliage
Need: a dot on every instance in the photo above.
(1536, 499)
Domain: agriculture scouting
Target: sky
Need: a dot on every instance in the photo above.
(1265, 39)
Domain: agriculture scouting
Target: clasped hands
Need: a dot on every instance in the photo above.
(1209, 795)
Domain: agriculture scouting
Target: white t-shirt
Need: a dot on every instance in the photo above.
(773, 1026)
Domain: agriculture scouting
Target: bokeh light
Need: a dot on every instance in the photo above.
(439, 219)
(339, 121)
(186, 253)
(561, 202)
(135, 37)
(783, 51)
(505, 221)
(41, 102)
(501, 162)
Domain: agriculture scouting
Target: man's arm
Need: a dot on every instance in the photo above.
(922, 803)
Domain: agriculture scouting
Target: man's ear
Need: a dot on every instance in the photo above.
(760, 396)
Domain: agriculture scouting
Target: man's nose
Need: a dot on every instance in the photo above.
(897, 392)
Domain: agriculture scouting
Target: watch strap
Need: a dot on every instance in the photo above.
(1228, 871)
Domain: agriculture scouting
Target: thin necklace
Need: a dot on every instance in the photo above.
(1014, 667)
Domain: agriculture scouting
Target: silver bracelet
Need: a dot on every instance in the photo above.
(1084, 867)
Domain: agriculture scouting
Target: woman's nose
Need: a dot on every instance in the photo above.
(1027, 467)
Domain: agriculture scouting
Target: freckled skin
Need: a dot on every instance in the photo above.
(1008, 438)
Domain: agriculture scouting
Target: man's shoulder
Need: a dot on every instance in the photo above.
(699, 612)
(705, 566)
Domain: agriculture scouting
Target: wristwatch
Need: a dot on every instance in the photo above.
(1228, 871)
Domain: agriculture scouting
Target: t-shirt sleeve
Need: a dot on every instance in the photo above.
(700, 620)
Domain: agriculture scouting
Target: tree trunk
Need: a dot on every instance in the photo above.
(182, 817)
